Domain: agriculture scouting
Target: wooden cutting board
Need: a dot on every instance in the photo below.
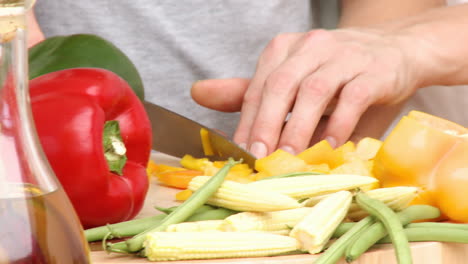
(423, 252)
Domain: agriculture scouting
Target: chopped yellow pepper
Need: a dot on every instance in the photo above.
(356, 166)
(191, 163)
(280, 162)
(319, 153)
(367, 148)
(341, 154)
(178, 179)
(183, 195)
(206, 143)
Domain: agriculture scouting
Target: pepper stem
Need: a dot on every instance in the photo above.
(114, 148)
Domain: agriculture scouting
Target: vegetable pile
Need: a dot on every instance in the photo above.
(382, 215)
(323, 201)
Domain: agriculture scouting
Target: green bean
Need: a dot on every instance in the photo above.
(135, 226)
(437, 224)
(292, 174)
(184, 211)
(342, 229)
(337, 249)
(206, 212)
(390, 220)
(214, 214)
(123, 229)
(169, 210)
(166, 210)
(439, 234)
(377, 231)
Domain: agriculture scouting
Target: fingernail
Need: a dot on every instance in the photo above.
(258, 149)
(288, 149)
(243, 145)
(331, 141)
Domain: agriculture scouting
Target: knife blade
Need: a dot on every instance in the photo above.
(177, 135)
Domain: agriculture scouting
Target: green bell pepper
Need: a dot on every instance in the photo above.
(82, 50)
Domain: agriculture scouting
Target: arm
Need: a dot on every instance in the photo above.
(439, 38)
(359, 68)
(370, 13)
(35, 34)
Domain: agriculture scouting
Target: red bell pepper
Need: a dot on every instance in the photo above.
(97, 137)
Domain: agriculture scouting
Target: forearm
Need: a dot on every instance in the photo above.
(369, 13)
(35, 34)
(377, 14)
(436, 43)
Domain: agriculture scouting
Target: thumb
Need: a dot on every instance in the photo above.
(224, 95)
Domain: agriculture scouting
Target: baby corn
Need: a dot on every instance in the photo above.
(397, 198)
(314, 231)
(197, 226)
(163, 246)
(244, 197)
(277, 222)
(308, 186)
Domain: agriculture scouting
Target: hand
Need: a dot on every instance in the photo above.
(303, 74)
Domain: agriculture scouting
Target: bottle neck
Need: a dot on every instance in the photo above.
(21, 158)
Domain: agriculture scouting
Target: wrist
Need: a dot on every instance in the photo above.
(432, 44)
(415, 55)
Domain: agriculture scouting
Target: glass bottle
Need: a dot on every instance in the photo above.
(37, 221)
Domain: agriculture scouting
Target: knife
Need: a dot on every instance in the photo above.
(177, 135)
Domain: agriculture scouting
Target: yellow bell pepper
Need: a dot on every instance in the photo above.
(191, 163)
(319, 153)
(342, 154)
(280, 162)
(367, 148)
(183, 195)
(178, 179)
(430, 153)
(206, 143)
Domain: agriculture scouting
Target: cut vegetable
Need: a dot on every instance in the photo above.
(162, 246)
(368, 147)
(242, 197)
(178, 179)
(308, 186)
(319, 153)
(198, 226)
(183, 195)
(397, 198)
(280, 162)
(278, 222)
(314, 231)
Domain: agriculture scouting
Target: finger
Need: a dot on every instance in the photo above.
(317, 94)
(279, 95)
(312, 99)
(281, 88)
(224, 95)
(355, 98)
(273, 55)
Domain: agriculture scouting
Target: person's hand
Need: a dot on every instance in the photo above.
(307, 74)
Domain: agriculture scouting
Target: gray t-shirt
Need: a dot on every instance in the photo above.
(175, 43)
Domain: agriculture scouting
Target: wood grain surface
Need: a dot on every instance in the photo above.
(423, 252)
